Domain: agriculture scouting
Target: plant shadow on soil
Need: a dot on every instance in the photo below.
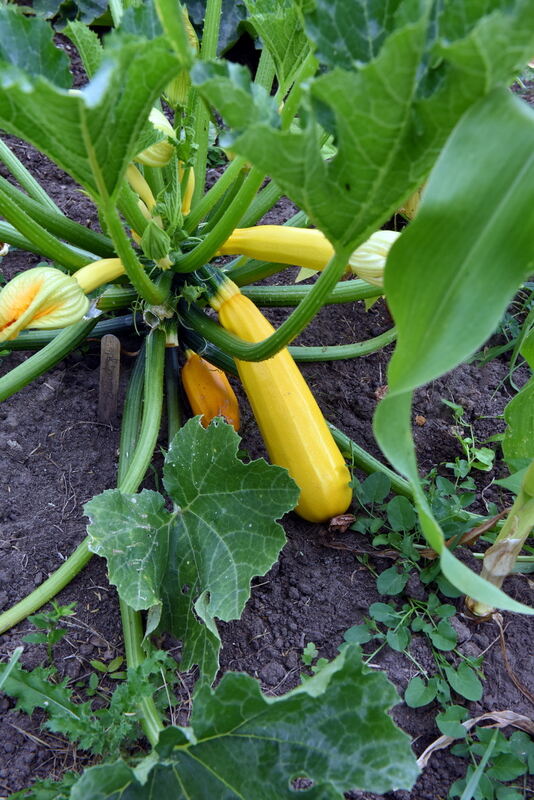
(56, 456)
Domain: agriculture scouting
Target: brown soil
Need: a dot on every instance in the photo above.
(55, 456)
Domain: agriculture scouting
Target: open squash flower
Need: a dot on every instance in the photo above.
(44, 297)
(310, 249)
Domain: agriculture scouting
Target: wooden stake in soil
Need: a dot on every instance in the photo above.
(110, 349)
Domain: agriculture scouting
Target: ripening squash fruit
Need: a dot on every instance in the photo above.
(208, 391)
(290, 421)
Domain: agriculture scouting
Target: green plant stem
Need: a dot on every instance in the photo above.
(218, 211)
(291, 103)
(261, 204)
(208, 50)
(213, 195)
(116, 297)
(45, 359)
(116, 11)
(45, 242)
(341, 352)
(131, 414)
(148, 290)
(345, 292)
(26, 179)
(220, 233)
(129, 208)
(35, 340)
(132, 628)
(172, 383)
(360, 458)
(58, 224)
(152, 407)
(11, 236)
(475, 778)
(289, 329)
(265, 73)
(154, 179)
(49, 588)
(132, 478)
(145, 389)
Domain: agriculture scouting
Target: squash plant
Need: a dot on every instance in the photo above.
(354, 106)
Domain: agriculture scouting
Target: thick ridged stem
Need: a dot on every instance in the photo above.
(342, 352)
(208, 50)
(131, 414)
(26, 179)
(205, 251)
(289, 329)
(213, 195)
(146, 387)
(172, 392)
(45, 359)
(261, 204)
(48, 589)
(360, 458)
(148, 290)
(265, 72)
(129, 207)
(35, 340)
(274, 296)
(45, 242)
(226, 200)
(58, 224)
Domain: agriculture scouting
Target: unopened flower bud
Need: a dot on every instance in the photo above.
(161, 152)
(369, 260)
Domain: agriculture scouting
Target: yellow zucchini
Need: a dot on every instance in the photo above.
(290, 421)
(208, 391)
(303, 247)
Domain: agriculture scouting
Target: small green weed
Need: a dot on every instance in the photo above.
(308, 657)
(48, 624)
(475, 457)
(495, 762)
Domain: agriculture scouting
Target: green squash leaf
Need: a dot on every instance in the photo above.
(333, 730)
(279, 23)
(194, 564)
(101, 124)
(26, 45)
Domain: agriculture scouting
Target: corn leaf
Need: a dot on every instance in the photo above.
(333, 730)
(450, 277)
(194, 564)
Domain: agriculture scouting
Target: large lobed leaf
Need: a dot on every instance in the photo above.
(279, 23)
(195, 563)
(450, 277)
(396, 89)
(241, 745)
(91, 134)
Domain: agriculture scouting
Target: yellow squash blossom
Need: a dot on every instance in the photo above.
(46, 298)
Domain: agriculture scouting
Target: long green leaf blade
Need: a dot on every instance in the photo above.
(450, 277)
